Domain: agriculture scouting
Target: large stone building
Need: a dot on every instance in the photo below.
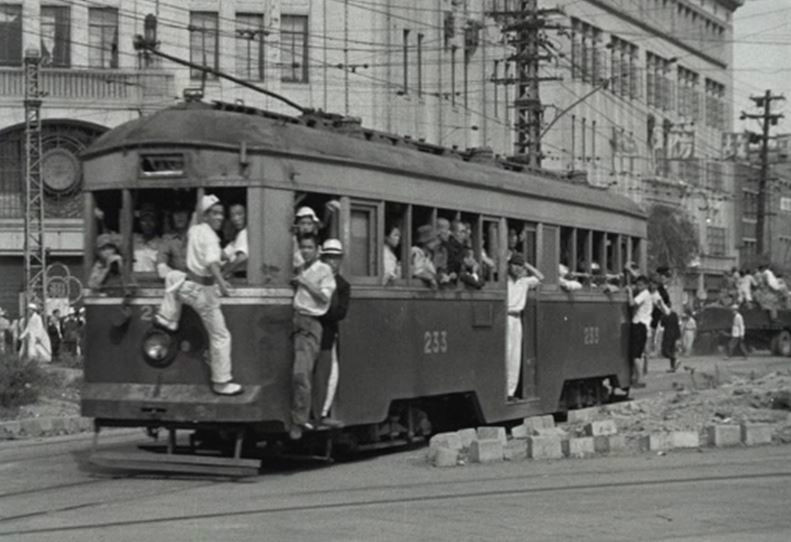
(437, 70)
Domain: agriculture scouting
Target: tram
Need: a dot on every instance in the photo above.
(412, 359)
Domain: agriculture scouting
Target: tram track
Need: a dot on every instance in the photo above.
(362, 502)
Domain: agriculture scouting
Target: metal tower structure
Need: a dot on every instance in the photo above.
(35, 251)
(526, 25)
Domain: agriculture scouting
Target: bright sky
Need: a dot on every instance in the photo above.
(762, 56)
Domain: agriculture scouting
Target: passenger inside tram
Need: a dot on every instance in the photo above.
(107, 270)
(422, 256)
(236, 252)
(307, 222)
(390, 256)
(146, 242)
(470, 272)
(172, 253)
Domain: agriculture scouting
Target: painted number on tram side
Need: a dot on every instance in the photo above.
(590, 335)
(147, 313)
(435, 342)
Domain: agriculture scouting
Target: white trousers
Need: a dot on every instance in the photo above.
(513, 352)
(332, 383)
(205, 300)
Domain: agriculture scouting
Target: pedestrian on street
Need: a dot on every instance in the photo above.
(689, 330)
(737, 333)
(5, 332)
(642, 302)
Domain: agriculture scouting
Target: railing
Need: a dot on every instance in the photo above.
(143, 87)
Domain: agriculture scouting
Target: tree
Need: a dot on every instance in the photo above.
(672, 238)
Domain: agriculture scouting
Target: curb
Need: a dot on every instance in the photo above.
(44, 427)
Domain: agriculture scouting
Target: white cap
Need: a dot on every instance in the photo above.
(32, 306)
(332, 247)
(208, 201)
(306, 211)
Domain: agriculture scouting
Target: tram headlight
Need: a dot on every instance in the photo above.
(158, 348)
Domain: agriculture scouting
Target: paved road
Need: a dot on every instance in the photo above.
(47, 493)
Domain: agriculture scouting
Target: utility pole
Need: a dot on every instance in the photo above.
(35, 251)
(527, 24)
(767, 119)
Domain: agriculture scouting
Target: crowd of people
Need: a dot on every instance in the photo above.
(43, 338)
(761, 287)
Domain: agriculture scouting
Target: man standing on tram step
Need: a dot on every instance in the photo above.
(518, 285)
(325, 375)
(305, 223)
(642, 303)
(198, 288)
(314, 286)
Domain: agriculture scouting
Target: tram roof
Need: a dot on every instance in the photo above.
(222, 126)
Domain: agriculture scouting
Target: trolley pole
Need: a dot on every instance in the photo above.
(35, 251)
(767, 119)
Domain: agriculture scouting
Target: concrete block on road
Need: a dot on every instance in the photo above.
(656, 442)
(601, 428)
(582, 415)
(539, 422)
(515, 450)
(450, 441)
(31, 427)
(10, 430)
(754, 434)
(722, 435)
(445, 457)
(486, 450)
(544, 447)
(685, 439)
(609, 444)
(578, 447)
(520, 431)
(550, 432)
(467, 436)
(486, 433)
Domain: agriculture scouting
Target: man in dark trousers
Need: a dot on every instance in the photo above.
(325, 375)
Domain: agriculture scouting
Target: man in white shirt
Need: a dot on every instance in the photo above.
(737, 333)
(642, 302)
(198, 288)
(314, 286)
(518, 285)
(746, 285)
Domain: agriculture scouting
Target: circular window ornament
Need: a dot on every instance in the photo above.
(60, 170)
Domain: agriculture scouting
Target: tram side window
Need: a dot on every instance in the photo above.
(314, 213)
(108, 272)
(395, 249)
(422, 253)
(599, 257)
(363, 254)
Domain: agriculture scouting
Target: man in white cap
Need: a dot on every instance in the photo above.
(314, 286)
(305, 222)
(326, 372)
(198, 288)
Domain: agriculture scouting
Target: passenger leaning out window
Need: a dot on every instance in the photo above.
(392, 264)
(422, 256)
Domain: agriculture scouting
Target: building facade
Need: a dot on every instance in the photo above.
(436, 70)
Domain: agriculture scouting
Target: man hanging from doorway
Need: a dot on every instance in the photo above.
(199, 288)
(519, 282)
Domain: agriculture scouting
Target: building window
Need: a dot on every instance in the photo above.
(659, 87)
(688, 94)
(55, 36)
(715, 104)
(405, 50)
(250, 35)
(749, 204)
(623, 68)
(587, 53)
(714, 179)
(10, 34)
(715, 239)
(420, 65)
(203, 29)
(294, 48)
(103, 37)
(453, 75)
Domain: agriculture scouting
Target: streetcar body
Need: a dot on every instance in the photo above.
(403, 346)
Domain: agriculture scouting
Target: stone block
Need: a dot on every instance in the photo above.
(486, 450)
(445, 457)
(515, 450)
(549, 432)
(467, 436)
(487, 433)
(59, 426)
(601, 428)
(582, 415)
(10, 430)
(520, 431)
(450, 441)
(578, 447)
(609, 444)
(723, 435)
(539, 422)
(45, 426)
(30, 427)
(656, 442)
(685, 439)
(754, 434)
(544, 447)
